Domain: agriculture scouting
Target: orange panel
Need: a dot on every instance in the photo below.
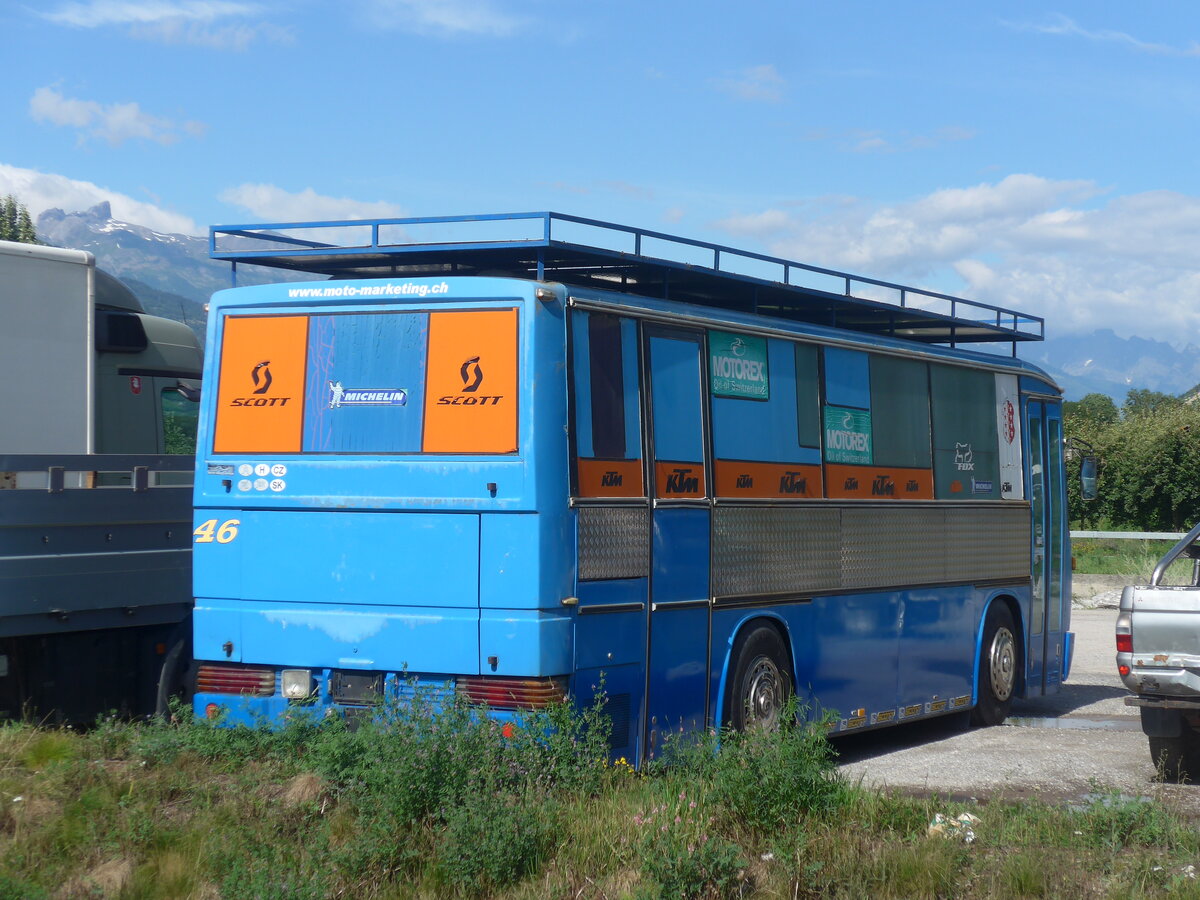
(471, 382)
(675, 480)
(878, 483)
(775, 480)
(260, 391)
(610, 477)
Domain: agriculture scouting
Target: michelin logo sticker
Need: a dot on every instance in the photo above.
(340, 396)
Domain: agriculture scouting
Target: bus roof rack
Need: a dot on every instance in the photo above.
(585, 252)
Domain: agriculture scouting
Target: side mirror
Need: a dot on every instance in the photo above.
(1087, 477)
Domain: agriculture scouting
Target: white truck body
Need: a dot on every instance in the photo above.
(47, 360)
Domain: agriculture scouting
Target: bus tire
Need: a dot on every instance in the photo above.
(998, 666)
(761, 682)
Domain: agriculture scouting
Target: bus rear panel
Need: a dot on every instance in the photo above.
(375, 507)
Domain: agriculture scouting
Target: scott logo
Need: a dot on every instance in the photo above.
(471, 374)
(793, 483)
(611, 479)
(682, 481)
(261, 376)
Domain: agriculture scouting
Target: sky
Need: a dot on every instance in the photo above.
(1038, 157)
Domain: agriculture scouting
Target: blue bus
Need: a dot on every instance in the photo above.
(530, 455)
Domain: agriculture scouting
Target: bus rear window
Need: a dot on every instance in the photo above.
(369, 383)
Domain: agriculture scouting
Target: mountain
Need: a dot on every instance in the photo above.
(1103, 363)
(172, 275)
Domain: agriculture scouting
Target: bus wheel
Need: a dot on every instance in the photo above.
(761, 684)
(997, 668)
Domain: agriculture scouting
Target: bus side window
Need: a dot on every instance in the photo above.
(607, 427)
(966, 464)
(900, 412)
(765, 444)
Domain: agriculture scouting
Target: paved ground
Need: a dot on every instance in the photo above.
(1075, 743)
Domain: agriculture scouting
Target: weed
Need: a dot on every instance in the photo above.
(493, 840)
(769, 781)
(679, 849)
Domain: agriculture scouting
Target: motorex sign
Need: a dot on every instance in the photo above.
(847, 436)
(738, 366)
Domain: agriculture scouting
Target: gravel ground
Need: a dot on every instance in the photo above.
(1080, 741)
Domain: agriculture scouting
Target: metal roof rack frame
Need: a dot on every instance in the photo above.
(550, 246)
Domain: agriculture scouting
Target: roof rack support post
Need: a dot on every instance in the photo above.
(374, 235)
(541, 269)
(233, 273)
(848, 294)
(903, 302)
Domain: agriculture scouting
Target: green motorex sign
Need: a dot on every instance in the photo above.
(847, 436)
(738, 366)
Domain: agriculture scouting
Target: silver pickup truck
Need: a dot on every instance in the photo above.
(1158, 658)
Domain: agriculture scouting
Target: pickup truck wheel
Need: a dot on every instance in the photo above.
(997, 667)
(1177, 759)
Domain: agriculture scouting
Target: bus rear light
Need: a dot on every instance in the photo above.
(513, 693)
(235, 680)
(296, 684)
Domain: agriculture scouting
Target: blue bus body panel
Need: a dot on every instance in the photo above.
(523, 641)
(344, 557)
(414, 638)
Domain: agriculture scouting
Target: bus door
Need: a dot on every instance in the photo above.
(1047, 502)
(678, 625)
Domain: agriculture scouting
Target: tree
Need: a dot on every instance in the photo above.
(1139, 402)
(15, 222)
(1093, 409)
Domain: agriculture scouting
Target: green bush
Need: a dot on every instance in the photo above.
(680, 850)
(769, 781)
(492, 840)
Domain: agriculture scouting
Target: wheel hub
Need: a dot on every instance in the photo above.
(764, 694)
(1002, 662)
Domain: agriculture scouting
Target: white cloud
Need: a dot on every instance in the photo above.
(877, 142)
(114, 123)
(1062, 26)
(40, 191)
(757, 83)
(174, 21)
(274, 204)
(445, 18)
(1064, 250)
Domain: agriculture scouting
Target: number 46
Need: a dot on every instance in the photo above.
(206, 531)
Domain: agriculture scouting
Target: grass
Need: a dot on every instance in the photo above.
(1131, 559)
(434, 801)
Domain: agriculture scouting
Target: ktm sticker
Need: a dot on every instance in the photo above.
(260, 391)
(610, 477)
(774, 480)
(679, 480)
(878, 483)
(471, 386)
